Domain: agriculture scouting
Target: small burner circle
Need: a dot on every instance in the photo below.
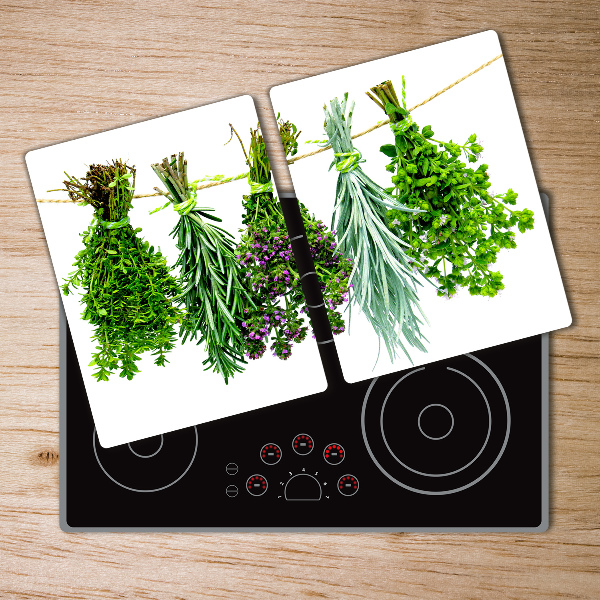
(162, 441)
(438, 416)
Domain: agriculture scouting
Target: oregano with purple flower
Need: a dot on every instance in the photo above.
(267, 262)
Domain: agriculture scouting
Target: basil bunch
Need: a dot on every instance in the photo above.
(128, 290)
(463, 226)
(213, 294)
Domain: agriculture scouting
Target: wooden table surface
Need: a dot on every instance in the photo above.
(70, 68)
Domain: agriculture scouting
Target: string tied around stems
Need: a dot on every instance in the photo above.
(184, 208)
(260, 188)
(112, 224)
(349, 162)
(403, 125)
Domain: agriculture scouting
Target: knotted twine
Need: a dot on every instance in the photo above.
(350, 162)
(184, 208)
(111, 224)
(260, 188)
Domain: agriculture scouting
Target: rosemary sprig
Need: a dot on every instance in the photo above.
(213, 293)
(128, 289)
(384, 284)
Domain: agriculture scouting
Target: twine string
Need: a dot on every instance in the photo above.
(183, 208)
(349, 161)
(386, 121)
(291, 161)
(111, 224)
(261, 188)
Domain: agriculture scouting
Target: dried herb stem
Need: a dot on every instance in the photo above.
(213, 293)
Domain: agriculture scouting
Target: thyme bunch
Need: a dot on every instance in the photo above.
(463, 226)
(213, 294)
(128, 290)
(265, 255)
(384, 283)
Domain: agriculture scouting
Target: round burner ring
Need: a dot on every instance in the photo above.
(158, 489)
(487, 437)
(441, 437)
(162, 441)
(456, 489)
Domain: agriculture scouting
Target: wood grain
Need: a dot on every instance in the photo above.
(70, 68)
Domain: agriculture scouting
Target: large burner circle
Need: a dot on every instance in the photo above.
(438, 429)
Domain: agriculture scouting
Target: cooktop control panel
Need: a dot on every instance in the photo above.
(278, 472)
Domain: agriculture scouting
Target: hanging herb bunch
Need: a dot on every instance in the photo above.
(213, 294)
(463, 226)
(128, 290)
(384, 282)
(266, 258)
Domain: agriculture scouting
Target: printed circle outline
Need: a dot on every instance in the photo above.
(164, 487)
(441, 492)
(442, 436)
(310, 438)
(162, 441)
(343, 457)
(280, 453)
(355, 479)
(266, 485)
(487, 437)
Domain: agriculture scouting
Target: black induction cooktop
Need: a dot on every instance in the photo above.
(456, 445)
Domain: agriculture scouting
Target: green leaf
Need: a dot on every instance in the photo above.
(463, 224)
(401, 144)
(388, 150)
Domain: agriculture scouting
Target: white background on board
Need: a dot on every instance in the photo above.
(162, 399)
(533, 300)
